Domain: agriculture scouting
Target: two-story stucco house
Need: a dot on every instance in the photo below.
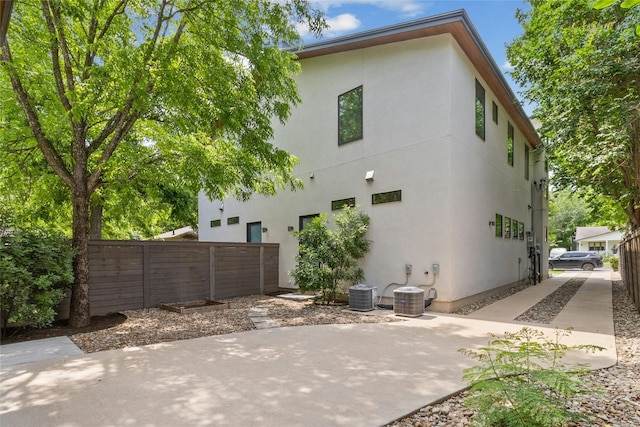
(415, 124)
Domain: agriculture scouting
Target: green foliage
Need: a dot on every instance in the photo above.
(615, 262)
(566, 212)
(625, 4)
(114, 101)
(521, 380)
(35, 271)
(580, 67)
(326, 258)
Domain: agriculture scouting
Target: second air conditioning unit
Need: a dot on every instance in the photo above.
(362, 297)
(408, 301)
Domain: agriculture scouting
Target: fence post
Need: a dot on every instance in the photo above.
(212, 272)
(261, 270)
(146, 275)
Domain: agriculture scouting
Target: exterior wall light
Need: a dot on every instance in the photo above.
(369, 176)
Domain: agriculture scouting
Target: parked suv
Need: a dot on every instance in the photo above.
(575, 259)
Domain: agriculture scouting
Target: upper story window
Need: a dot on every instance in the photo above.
(526, 161)
(350, 116)
(495, 112)
(510, 143)
(479, 110)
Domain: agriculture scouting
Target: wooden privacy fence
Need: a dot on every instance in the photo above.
(630, 265)
(126, 275)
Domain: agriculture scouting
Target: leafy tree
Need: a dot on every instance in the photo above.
(626, 4)
(326, 257)
(35, 272)
(580, 66)
(566, 212)
(106, 88)
(521, 380)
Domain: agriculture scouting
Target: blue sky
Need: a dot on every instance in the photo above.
(493, 19)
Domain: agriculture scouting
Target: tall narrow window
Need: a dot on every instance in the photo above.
(510, 143)
(350, 116)
(254, 232)
(526, 161)
(495, 112)
(479, 110)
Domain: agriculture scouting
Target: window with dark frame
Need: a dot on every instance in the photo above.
(521, 230)
(350, 116)
(388, 197)
(306, 219)
(254, 232)
(233, 220)
(480, 110)
(495, 112)
(507, 227)
(514, 229)
(510, 133)
(342, 203)
(498, 225)
(215, 223)
(526, 161)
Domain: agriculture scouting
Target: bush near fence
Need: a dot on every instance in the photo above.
(128, 275)
(630, 265)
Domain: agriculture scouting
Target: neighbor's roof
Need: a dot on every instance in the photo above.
(184, 232)
(456, 23)
(587, 232)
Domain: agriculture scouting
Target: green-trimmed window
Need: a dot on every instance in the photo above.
(479, 110)
(510, 133)
(388, 197)
(350, 116)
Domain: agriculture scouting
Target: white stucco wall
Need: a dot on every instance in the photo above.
(419, 137)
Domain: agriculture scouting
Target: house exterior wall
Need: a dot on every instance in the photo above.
(611, 243)
(419, 137)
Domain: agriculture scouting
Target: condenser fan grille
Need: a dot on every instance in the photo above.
(408, 301)
(362, 297)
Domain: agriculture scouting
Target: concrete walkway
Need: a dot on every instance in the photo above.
(332, 375)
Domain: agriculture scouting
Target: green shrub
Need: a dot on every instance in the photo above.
(35, 270)
(522, 382)
(615, 262)
(326, 258)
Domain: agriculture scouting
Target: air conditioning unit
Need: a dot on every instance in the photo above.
(362, 297)
(408, 301)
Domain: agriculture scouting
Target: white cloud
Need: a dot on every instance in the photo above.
(507, 66)
(407, 8)
(338, 25)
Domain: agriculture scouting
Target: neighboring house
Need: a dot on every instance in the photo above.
(184, 233)
(416, 124)
(598, 239)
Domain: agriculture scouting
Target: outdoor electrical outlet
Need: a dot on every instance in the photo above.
(407, 268)
(435, 268)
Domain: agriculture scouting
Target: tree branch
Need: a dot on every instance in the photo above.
(55, 58)
(50, 154)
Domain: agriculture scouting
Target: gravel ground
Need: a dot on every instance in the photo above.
(619, 402)
(154, 325)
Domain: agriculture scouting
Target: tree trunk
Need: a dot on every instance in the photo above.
(80, 310)
(95, 226)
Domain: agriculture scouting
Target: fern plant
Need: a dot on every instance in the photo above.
(521, 380)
